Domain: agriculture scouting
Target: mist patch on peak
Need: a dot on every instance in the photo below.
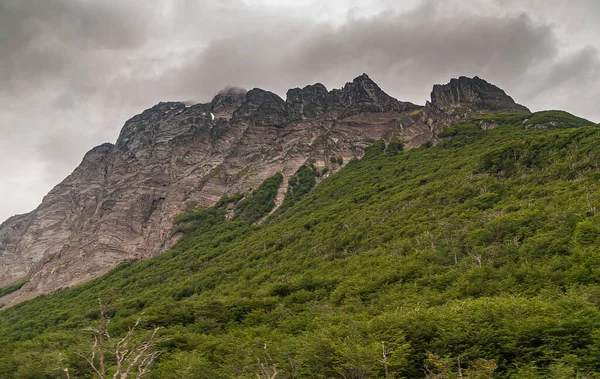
(233, 90)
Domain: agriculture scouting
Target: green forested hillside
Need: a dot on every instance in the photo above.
(480, 254)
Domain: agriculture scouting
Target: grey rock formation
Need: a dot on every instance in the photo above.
(476, 94)
(262, 108)
(309, 102)
(120, 202)
(228, 101)
(364, 95)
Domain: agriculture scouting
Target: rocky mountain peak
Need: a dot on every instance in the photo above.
(474, 93)
(136, 129)
(228, 100)
(365, 88)
(97, 154)
(258, 97)
(309, 102)
(262, 107)
(363, 94)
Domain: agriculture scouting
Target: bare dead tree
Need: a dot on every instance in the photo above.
(444, 368)
(385, 357)
(130, 355)
(477, 258)
(99, 333)
(267, 369)
(293, 367)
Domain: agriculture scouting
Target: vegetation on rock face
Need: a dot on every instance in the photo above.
(299, 186)
(476, 256)
(260, 202)
(11, 289)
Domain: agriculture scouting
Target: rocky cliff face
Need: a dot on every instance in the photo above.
(474, 93)
(120, 202)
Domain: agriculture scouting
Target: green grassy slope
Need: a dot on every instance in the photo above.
(483, 249)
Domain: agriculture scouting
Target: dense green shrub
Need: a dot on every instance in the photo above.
(394, 147)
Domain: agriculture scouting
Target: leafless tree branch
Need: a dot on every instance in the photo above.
(129, 355)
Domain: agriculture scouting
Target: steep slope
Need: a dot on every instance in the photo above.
(119, 204)
(481, 251)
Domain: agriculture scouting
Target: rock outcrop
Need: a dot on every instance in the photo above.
(362, 95)
(476, 94)
(309, 102)
(262, 108)
(227, 101)
(120, 202)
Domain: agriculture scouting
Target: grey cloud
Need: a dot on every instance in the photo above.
(570, 83)
(62, 151)
(579, 69)
(428, 44)
(45, 39)
(233, 90)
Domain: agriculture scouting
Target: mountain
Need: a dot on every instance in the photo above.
(119, 204)
(474, 255)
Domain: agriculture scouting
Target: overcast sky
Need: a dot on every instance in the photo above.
(72, 71)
